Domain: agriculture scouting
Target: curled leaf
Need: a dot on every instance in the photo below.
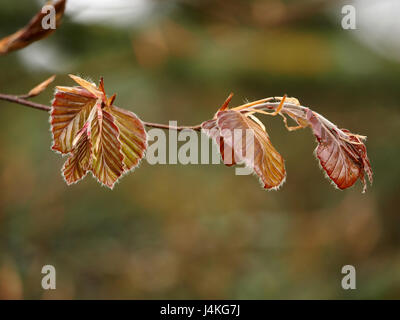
(100, 137)
(230, 129)
(211, 129)
(33, 31)
(341, 153)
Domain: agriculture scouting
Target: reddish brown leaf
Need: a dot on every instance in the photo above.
(70, 110)
(101, 138)
(32, 32)
(77, 165)
(341, 153)
(211, 129)
(107, 164)
(132, 136)
(265, 161)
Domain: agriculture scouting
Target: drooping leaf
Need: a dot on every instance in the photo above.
(102, 138)
(341, 153)
(267, 163)
(33, 31)
(211, 129)
(255, 151)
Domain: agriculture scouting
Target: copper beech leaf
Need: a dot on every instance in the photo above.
(77, 165)
(70, 110)
(254, 150)
(211, 129)
(107, 164)
(33, 31)
(341, 153)
(131, 135)
(100, 137)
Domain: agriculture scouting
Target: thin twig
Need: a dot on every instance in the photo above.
(21, 101)
(166, 126)
(24, 102)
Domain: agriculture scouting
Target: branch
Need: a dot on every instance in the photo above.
(22, 101)
(168, 127)
(342, 154)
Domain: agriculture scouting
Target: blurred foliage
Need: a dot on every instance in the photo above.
(199, 231)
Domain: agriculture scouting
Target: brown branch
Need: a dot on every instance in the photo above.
(168, 127)
(22, 101)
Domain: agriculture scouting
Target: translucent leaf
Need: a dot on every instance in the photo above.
(341, 153)
(77, 165)
(70, 110)
(107, 165)
(102, 138)
(211, 129)
(132, 136)
(265, 161)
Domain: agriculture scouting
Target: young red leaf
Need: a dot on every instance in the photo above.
(211, 129)
(77, 165)
(32, 32)
(341, 153)
(101, 137)
(107, 164)
(70, 110)
(132, 136)
(265, 161)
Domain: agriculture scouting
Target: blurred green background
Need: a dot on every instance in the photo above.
(199, 231)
